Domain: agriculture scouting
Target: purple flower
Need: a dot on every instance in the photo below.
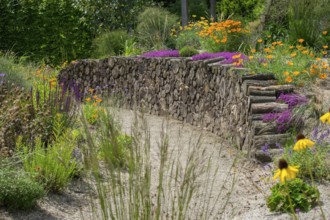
(269, 117)
(162, 53)
(265, 148)
(292, 99)
(2, 74)
(284, 117)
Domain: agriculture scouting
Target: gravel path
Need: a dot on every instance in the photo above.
(239, 189)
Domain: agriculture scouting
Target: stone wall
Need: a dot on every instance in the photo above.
(219, 98)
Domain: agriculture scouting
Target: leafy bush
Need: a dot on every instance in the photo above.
(53, 167)
(248, 9)
(188, 38)
(228, 35)
(110, 43)
(291, 196)
(188, 51)
(154, 25)
(18, 191)
(294, 64)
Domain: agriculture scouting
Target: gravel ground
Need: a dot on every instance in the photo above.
(240, 186)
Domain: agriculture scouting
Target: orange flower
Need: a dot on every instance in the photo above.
(291, 47)
(253, 51)
(325, 47)
(325, 32)
(290, 63)
(296, 73)
(95, 96)
(259, 40)
(324, 52)
(305, 52)
(323, 76)
(301, 40)
(311, 55)
(88, 99)
(98, 100)
(286, 73)
(94, 104)
(269, 57)
(317, 59)
(293, 54)
(267, 50)
(288, 79)
(224, 40)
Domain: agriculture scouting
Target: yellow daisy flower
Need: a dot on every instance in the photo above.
(285, 172)
(326, 117)
(302, 143)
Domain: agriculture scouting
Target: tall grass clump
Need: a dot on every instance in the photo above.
(307, 19)
(154, 27)
(175, 187)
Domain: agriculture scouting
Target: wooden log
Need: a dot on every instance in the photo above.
(256, 117)
(262, 76)
(262, 99)
(260, 108)
(261, 92)
(271, 140)
(213, 60)
(259, 83)
(262, 128)
(277, 88)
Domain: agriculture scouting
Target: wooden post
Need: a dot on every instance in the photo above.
(184, 12)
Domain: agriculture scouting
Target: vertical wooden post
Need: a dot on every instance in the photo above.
(184, 12)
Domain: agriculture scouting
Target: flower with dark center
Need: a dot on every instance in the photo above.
(285, 172)
(326, 117)
(302, 143)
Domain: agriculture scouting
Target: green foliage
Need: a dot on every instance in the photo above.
(195, 7)
(17, 190)
(92, 109)
(290, 64)
(131, 47)
(310, 161)
(48, 30)
(291, 196)
(53, 167)
(307, 20)
(247, 9)
(110, 43)
(188, 38)
(154, 25)
(188, 51)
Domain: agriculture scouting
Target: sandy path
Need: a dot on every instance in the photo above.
(242, 195)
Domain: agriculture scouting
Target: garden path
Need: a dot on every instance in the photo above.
(241, 184)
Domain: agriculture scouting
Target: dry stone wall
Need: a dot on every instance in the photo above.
(219, 98)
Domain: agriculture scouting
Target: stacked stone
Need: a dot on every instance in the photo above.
(203, 93)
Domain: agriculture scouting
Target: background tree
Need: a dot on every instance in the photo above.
(184, 12)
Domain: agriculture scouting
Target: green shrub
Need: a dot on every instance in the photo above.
(291, 196)
(188, 38)
(188, 51)
(53, 167)
(131, 47)
(110, 43)
(247, 9)
(18, 191)
(154, 26)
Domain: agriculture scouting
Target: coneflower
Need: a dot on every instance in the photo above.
(285, 172)
(302, 143)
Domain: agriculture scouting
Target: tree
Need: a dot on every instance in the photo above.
(212, 9)
(184, 12)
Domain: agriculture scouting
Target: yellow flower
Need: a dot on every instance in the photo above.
(302, 143)
(290, 63)
(326, 117)
(301, 40)
(253, 50)
(293, 54)
(325, 32)
(296, 73)
(259, 40)
(305, 52)
(285, 172)
(286, 73)
(88, 99)
(324, 52)
(269, 57)
(291, 47)
(317, 58)
(325, 47)
(98, 100)
(251, 57)
(95, 96)
(323, 76)
(268, 50)
(194, 16)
